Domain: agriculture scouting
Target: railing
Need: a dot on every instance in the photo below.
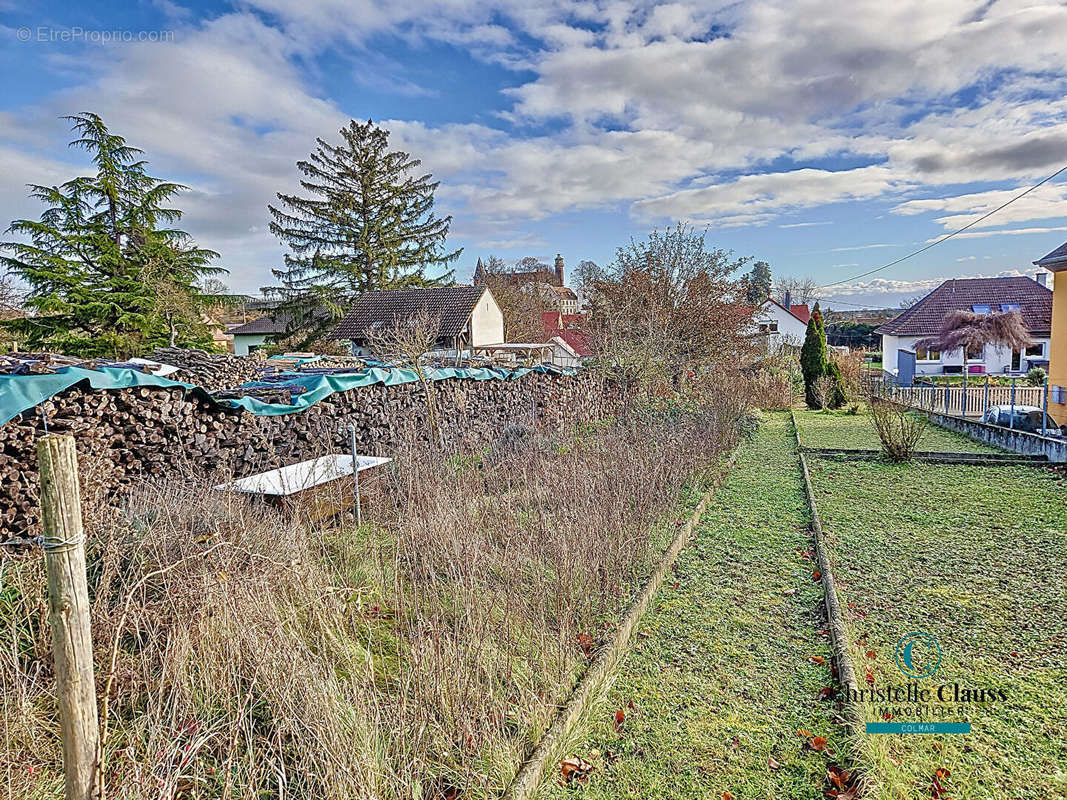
(969, 401)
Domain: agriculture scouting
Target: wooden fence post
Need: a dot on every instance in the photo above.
(68, 602)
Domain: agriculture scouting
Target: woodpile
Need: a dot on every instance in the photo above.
(126, 435)
(210, 371)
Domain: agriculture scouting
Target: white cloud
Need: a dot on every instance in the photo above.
(648, 110)
(1007, 232)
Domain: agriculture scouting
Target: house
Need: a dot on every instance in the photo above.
(469, 316)
(254, 334)
(783, 324)
(984, 296)
(549, 283)
(1056, 263)
(570, 342)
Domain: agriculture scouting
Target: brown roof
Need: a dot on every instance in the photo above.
(801, 312)
(262, 325)
(452, 304)
(924, 318)
(1055, 260)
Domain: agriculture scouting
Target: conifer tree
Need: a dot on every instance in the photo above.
(759, 283)
(366, 222)
(95, 260)
(813, 362)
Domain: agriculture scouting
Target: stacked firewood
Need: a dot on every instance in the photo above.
(129, 434)
(210, 371)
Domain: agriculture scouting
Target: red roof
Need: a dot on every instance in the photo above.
(801, 312)
(577, 340)
(554, 320)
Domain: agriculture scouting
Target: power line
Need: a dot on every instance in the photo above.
(949, 236)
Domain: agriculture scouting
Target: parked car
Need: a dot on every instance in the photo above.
(1027, 418)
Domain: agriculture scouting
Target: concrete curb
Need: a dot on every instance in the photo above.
(932, 457)
(838, 633)
(551, 749)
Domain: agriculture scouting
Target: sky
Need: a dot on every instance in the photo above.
(826, 137)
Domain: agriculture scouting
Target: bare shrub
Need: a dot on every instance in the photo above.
(899, 429)
(406, 343)
(247, 655)
(850, 366)
(822, 389)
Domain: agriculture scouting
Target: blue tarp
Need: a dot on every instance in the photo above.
(19, 393)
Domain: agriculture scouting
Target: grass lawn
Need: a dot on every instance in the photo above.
(720, 678)
(976, 557)
(855, 432)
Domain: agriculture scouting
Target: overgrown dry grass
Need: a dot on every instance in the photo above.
(418, 657)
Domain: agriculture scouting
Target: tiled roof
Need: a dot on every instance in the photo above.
(1057, 256)
(452, 304)
(261, 326)
(554, 320)
(800, 312)
(924, 318)
(577, 340)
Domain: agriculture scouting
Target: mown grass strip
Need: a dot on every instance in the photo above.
(730, 664)
(842, 430)
(975, 557)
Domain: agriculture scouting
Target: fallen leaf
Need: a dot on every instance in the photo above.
(620, 717)
(631, 705)
(727, 796)
(827, 693)
(818, 743)
(575, 768)
(816, 575)
(585, 641)
(804, 732)
(817, 660)
(773, 764)
(871, 654)
(869, 677)
(788, 592)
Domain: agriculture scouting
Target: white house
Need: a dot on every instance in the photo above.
(253, 335)
(782, 324)
(982, 295)
(469, 316)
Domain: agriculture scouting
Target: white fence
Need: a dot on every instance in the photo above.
(970, 401)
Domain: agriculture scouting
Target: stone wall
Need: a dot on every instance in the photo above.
(129, 434)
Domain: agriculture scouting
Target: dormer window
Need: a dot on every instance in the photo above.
(1009, 307)
(981, 309)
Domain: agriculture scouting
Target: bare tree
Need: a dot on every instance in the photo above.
(405, 344)
(801, 290)
(665, 309)
(521, 301)
(10, 308)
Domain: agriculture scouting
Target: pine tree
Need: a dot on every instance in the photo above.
(759, 283)
(95, 259)
(367, 223)
(813, 362)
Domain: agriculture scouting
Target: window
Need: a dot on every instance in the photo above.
(975, 354)
(981, 309)
(1009, 307)
(922, 354)
(769, 327)
(1037, 350)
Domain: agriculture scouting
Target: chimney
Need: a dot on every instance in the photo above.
(559, 270)
(788, 300)
(1042, 278)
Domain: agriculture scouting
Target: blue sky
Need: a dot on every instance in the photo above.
(825, 137)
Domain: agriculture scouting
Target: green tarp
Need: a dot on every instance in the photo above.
(19, 393)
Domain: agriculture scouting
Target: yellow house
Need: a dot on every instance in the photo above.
(1056, 263)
